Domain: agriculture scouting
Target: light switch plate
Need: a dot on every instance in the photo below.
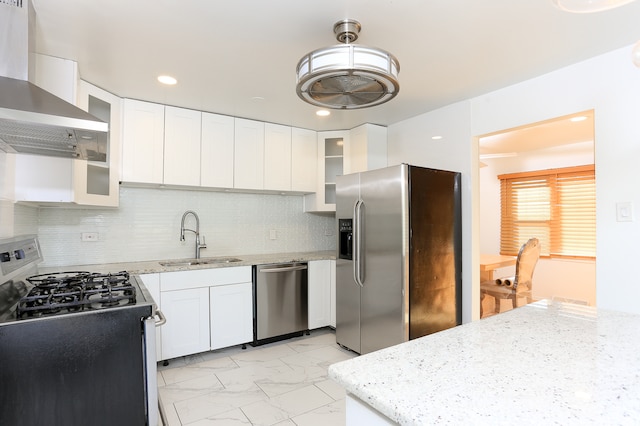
(624, 212)
(273, 234)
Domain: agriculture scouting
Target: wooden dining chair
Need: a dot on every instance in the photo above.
(522, 286)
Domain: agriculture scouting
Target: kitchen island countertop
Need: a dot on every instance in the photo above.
(544, 363)
(154, 266)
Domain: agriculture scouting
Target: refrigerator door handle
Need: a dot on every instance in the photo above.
(354, 263)
(358, 260)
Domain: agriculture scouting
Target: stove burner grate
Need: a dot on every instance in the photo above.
(68, 292)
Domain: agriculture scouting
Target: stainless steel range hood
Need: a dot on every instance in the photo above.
(32, 120)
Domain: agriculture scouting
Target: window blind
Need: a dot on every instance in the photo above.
(556, 206)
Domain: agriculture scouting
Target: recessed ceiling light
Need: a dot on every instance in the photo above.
(436, 138)
(257, 98)
(167, 79)
(322, 112)
(578, 118)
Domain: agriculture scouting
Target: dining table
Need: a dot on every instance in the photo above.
(490, 262)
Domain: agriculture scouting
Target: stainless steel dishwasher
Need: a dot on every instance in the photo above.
(280, 309)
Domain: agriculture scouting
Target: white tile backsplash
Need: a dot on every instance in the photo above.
(25, 220)
(6, 218)
(146, 226)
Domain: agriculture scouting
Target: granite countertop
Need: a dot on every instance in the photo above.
(153, 266)
(544, 363)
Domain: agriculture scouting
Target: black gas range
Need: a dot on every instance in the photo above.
(77, 347)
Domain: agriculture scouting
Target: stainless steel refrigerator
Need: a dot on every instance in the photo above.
(398, 268)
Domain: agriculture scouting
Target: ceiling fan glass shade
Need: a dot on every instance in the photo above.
(588, 6)
(347, 76)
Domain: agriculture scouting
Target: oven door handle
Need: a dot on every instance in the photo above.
(162, 319)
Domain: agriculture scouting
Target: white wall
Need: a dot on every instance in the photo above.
(608, 84)
(146, 226)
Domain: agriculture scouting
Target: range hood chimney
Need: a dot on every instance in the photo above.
(32, 120)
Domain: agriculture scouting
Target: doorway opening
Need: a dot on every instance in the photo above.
(562, 142)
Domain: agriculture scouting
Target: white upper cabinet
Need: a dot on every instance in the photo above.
(216, 151)
(330, 148)
(182, 146)
(248, 154)
(343, 152)
(277, 157)
(53, 183)
(177, 146)
(143, 142)
(65, 180)
(97, 183)
(366, 150)
(304, 160)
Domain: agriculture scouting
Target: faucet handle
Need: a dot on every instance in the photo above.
(202, 243)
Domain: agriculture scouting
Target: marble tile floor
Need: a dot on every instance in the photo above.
(283, 383)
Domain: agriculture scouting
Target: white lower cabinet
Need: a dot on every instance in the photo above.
(332, 278)
(187, 328)
(321, 293)
(231, 315)
(361, 413)
(205, 309)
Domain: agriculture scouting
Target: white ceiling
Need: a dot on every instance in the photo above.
(548, 136)
(224, 54)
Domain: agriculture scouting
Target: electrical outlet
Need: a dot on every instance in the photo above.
(89, 236)
(273, 234)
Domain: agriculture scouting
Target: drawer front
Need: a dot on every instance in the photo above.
(180, 280)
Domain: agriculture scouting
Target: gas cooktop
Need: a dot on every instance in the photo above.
(66, 292)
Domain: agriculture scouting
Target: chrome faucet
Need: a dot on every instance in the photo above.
(199, 245)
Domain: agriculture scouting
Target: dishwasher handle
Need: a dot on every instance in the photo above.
(284, 269)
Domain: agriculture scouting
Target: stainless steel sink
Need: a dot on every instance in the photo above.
(202, 261)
